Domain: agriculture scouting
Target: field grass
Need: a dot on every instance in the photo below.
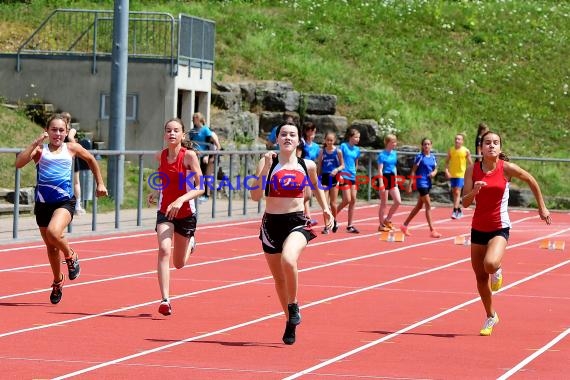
(426, 68)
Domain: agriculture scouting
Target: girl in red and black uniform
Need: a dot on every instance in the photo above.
(285, 231)
(176, 215)
(487, 182)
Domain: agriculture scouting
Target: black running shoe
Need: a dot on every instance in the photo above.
(73, 266)
(57, 290)
(335, 227)
(289, 334)
(294, 315)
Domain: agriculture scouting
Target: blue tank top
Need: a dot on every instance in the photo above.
(54, 176)
(330, 161)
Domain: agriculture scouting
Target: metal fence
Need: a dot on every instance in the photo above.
(236, 166)
(152, 35)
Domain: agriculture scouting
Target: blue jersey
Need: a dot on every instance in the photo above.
(202, 136)
(311, 152)
(330, 161)
(388, 160)
(426, 165)
(54, 176)
(350, 155)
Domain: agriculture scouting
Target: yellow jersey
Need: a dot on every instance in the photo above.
(457, 162)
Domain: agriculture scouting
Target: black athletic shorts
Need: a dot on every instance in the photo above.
(482, 238)
(328, 181)
(44, 211)
(184, 226)
(275, 228)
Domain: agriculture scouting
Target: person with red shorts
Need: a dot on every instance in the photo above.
(179, 173)
(487, 183)
(285, 231)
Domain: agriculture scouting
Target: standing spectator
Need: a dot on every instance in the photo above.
(285, 231)
(481, 130)
(350, 153)
(206, 140)
(487, 182)
(425, 167)
(72, 137)
(55, 202)
(455, 164)
(387, 161)
(176, 215)
(310, 152)
(329, 164)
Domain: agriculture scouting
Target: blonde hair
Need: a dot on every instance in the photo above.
(200, 117)
(389, 137)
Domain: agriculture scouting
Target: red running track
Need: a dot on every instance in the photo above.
(370, 309)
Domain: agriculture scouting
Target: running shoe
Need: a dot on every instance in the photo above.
(382, 228)
(192, 244)
(497, 280)
(404, 230)
(73, 267)
(459, 214)
(435, 234)
(57, 290)
(352, 230)
(289, 334)
(454, 214)
(165, 308)
(294, 314)
(335, 227)
(313, 222)
(325, 231)
(489, 324)
(388, 224)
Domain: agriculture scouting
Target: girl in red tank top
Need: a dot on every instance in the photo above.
(487, 182)
(179, 185)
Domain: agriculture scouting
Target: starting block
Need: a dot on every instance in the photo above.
(557, 245)
(392, 236)
(462, 240)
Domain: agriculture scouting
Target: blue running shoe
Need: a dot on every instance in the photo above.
(73, 266)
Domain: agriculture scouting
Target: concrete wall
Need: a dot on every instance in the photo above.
(69, 85)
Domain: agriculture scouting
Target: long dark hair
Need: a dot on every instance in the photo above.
(289, 123)
(186, 143)
(502, 156)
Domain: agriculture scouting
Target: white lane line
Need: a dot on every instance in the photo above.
(134, 275)
(417, 324)
(128, 236)
(208, 290)
(328, 299)
(536, 354)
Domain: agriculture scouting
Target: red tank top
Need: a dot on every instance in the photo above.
(491, 212)
(174, 184)
(287, 183)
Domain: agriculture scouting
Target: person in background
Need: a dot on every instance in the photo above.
(54, 200)
(424, 169)
(310, 151)
(285, 231)
(206, 140)
(350, 153)
(176, 215)
(487, 183)
(329, 164)
(481, 130)
(456, 162)
(387, 161)
(72, 137)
